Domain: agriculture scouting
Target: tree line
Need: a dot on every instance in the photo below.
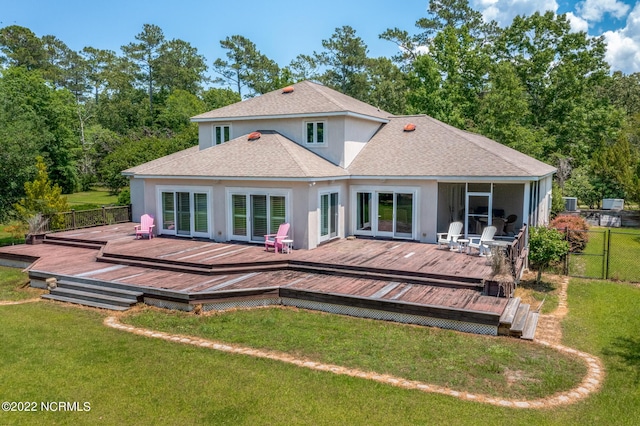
(535, 85)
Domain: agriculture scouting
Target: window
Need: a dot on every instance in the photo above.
(221, 134)
(315, 132)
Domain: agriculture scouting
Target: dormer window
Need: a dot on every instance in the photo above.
(315, 132)
(221, 134)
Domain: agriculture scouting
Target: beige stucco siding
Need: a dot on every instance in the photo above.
(335, 149)
(300, 202)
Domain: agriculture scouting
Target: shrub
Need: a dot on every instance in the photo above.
(124, 198)
(574, 229)
(546, 245)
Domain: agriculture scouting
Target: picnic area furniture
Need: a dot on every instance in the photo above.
(276, 240)
(450, 237)
(480, 242)
(146, 226)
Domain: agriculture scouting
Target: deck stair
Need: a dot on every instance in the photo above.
(70, 242)
(93, 295)
(518, 320)
(188, 267)
(306, 266)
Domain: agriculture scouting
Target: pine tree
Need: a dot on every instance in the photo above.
(42, 197)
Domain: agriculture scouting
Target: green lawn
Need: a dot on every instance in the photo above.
(95, 198)
(417, 353)
(14, 285)
(6, 238)
(51, 352)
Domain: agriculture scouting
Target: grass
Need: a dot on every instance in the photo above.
(473, 363)
(534, 294)
(95, 198)
(52, 352)
(6, 238)
(14, 285)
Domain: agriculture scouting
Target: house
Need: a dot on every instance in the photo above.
(333, 166)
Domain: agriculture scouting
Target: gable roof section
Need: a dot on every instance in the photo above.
(435, 149)
(273, 156)
(307, 99)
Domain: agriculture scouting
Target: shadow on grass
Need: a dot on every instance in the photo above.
(627, 350)
(543, 287)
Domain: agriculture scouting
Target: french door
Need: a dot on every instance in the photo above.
(255, 215)
(385, 213)
(185, 213)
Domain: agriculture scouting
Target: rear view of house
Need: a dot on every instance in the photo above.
(333, 166)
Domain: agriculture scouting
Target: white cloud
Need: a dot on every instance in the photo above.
(594, 10)
(623, 46)
(503, 11)
(577, 23)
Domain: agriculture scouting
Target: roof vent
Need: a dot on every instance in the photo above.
(409, 127)
(288, 89)
(253, 136)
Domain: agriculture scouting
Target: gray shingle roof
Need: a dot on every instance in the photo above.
(437, 149)
(272, 156)
(306, 98)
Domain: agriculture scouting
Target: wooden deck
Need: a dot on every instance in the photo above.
(403, 278)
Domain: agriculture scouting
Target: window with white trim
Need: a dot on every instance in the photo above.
(221, 134)
(315, 132)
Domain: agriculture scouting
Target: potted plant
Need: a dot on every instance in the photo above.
(36, 224)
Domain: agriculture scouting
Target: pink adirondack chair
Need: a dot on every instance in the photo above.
(275, 240)
(146, 226)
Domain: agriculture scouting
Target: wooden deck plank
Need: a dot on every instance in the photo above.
(406, 257)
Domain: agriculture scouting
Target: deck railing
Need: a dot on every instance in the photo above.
(518, 252)
(73, 219)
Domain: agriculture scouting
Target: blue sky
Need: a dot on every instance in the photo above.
(282, 29)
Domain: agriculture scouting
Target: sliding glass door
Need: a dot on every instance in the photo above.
(185, 212)
(255, 215)
(385, 213)
(328, 216)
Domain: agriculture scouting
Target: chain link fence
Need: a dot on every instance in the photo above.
(608, 254)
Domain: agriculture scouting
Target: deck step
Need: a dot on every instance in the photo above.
(192, 269)
(284, 263)
(69, 243)
(84, 302)
(510, 311)
(520, 319)
(529, 331)
(109, 291)
(93, 295)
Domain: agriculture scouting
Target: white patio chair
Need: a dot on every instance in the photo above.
(480, 242)
(450, 238)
